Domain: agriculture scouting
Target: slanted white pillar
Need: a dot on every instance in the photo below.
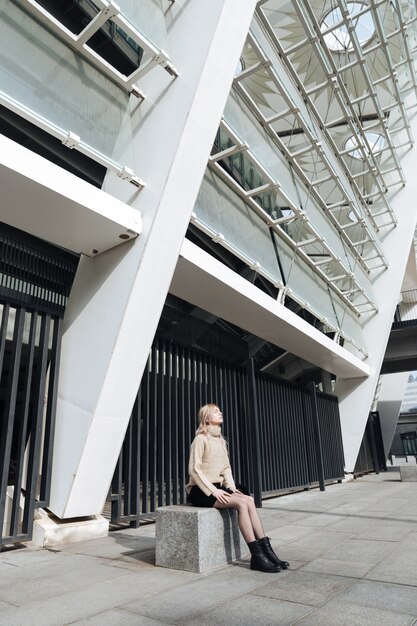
(118, 296)
(390, 397)
(355, 396)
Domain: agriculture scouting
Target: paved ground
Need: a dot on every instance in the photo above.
(353, 553)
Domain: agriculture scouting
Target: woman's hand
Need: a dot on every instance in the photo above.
(221, 496)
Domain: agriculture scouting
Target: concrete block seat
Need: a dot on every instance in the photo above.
(408, 473)
(197, 539)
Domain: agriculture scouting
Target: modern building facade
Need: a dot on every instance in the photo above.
(243, 168)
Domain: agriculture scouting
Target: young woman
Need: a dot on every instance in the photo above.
(211, 484)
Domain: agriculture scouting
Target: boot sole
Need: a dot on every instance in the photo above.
(267, 571)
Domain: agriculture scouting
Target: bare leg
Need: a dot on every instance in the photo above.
(245, 523)
(254, 517)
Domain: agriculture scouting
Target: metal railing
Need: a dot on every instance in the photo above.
(35, 279)
(406, 311)
(280, 435)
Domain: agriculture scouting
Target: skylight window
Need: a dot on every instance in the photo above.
(339, 38)
(375, 141)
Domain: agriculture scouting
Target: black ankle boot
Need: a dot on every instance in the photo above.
(259, 561)
(270, 554)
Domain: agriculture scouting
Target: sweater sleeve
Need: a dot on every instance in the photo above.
(194, 467)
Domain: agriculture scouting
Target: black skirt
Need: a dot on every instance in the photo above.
(198, 498)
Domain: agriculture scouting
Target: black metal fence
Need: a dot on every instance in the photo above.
(274, 430)
(35, 280)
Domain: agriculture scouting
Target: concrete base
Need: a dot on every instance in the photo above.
(49, 531)
(197, 539)
(408, 473)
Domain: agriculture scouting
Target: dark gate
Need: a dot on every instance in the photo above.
(35, 279)
(273, 428)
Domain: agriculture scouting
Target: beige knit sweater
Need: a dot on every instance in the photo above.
(209, 462)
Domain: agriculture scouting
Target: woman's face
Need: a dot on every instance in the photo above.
(216, 417)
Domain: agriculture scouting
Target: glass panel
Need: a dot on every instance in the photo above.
(80, 100)
(350, 323)
(221, 210)
(246, 127)
(147, 16)
(305, 284)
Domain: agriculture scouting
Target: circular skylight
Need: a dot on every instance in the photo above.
(339, 38)
(375, 141)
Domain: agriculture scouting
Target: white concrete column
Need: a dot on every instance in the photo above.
(355, 396)
(118, 296)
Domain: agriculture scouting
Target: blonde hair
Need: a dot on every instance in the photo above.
(205, 415)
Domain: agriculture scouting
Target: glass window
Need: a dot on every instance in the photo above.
(339, 38)
(375, 141)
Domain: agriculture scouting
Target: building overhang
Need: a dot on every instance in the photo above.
(207, 283)
(40, 197)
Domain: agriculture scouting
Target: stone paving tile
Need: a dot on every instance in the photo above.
(293, 552)
(410, 542)
(250, 610)
(185, 602)
(321, 540)
(22, 556)
(112, 546)
(118, 617)
(288, 533)
(336, 613)
(350, 524)
(397, 598)
(49, 581)
(386, 531)
(319, 520)
(280, 518)
(361, 550)
(92, 599)
(306, 587)
(351, 569)
(399, 567)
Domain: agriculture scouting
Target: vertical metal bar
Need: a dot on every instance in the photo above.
(254, 423)
(265, 442)
(127, 469)
(175, 438)
(317, 438)
(168, 425)
(50, 412)
(373, 443)
(181, 425)
(116, 490)
(153, 450)
(36, 430)
(10, 411)
(160, 417)
(145, 439)
(25, 402)
(134, 513)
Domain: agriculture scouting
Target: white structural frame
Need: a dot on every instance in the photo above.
(108, 11)
(298, 213)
